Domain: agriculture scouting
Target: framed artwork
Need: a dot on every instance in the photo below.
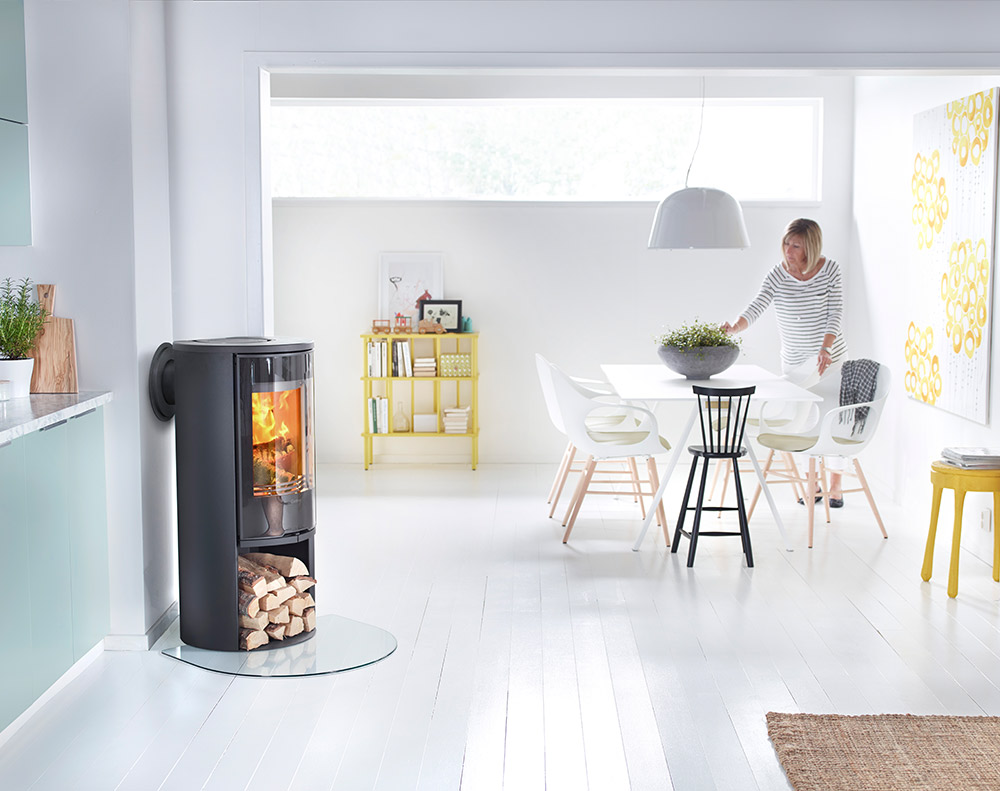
(446, 312)
(950, 293)
(404, 279)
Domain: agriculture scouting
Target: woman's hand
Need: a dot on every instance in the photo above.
(824, 360)
(728, 328)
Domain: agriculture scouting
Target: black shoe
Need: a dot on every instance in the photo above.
(819, 499)
(836, 502)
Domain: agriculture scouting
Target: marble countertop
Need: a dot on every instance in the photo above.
(20, 416)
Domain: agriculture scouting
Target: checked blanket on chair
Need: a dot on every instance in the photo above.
(858, 379)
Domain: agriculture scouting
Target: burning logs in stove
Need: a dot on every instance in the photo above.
(274, 602)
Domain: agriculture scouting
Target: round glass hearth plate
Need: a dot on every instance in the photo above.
(339, 644)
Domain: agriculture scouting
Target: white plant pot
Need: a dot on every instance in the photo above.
(18, 372)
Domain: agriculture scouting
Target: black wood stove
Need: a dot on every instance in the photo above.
(245, 467)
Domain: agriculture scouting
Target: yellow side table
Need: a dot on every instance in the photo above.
(944, 476)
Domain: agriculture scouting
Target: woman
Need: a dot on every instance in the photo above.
(807, 294)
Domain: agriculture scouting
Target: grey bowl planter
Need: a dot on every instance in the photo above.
(700, 362)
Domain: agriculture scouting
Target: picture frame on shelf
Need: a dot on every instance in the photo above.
(446, 312)
(406, 278)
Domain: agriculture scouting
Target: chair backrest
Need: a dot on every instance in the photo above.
(638, 435)
(723, 412)
(859, 423)
(847, 430)
(548, 391)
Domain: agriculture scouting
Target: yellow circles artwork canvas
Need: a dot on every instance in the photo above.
(949, 293)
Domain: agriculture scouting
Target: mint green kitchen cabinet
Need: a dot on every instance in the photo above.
(15, 194)
(15, 650)
(50, 593)
(13, 76)
(54, 524)
(15, 189)
(88, 535)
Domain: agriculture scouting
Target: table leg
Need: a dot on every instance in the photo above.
(675, 456)
(770, 500)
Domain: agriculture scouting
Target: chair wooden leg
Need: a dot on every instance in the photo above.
(797, 491)
(588, 473)
(868, 494)
(696, 525)
(571, 454)
(823, 488)
(927, 568)
(744, 522)
(684, 504)
(654, 482)
(562, 472)
(715, 480)
(637, 486)
(730, 467)
(757, 491)
(809, 501)
(581, 487)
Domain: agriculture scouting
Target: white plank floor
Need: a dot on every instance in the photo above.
(526, 664)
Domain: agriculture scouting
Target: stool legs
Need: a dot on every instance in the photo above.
(956, 540)
(925, 571)
(996, 538)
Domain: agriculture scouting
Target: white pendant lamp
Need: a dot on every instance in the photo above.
(698, 217)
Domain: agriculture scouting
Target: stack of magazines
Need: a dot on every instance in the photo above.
(972, 458)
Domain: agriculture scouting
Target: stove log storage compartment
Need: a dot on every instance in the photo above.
(245, 468)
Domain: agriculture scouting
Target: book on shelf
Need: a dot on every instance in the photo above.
(407, 364)
(972, 458)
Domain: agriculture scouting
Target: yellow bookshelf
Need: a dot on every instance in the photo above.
(453, 383)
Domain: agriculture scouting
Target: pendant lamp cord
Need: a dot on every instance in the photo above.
(697, 142)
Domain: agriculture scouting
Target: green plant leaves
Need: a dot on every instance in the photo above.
(21, 320)
(690, 336)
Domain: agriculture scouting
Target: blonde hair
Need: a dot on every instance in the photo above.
(812, 238)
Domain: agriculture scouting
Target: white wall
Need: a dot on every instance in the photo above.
(575, 283)
(80, 89)
(913, 433)
(100, 175)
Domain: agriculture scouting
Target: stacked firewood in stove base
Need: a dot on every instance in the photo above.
(274, 602)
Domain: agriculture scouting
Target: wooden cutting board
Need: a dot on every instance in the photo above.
(55, 351)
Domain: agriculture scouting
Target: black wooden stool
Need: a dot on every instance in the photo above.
(723, 413)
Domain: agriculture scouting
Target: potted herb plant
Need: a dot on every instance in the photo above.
(21, 322)
(698, 350)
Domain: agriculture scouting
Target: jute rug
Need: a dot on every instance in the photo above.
(887, 752)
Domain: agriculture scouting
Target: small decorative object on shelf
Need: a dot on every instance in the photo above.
(698, 350)
(466, 324)
(400, 422)
(445, 312)
(381, 326)
(425, 424)
(456, 365)
(426, 326)
(402, 324)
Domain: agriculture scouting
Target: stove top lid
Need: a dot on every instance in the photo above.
(246, 344)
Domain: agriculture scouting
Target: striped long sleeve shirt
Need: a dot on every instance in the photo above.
(807, 310)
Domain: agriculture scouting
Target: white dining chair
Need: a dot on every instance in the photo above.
(843, 431)
(637, 437)
(616, 472)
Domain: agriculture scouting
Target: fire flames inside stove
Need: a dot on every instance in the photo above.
(278, 443)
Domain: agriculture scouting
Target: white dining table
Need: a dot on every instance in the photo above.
(654, 383)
